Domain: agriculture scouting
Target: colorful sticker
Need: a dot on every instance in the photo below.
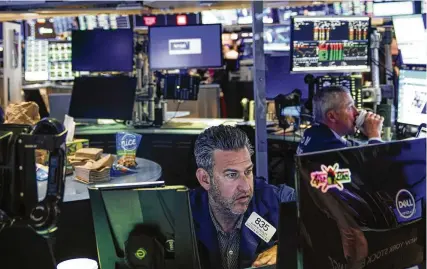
(330, 177)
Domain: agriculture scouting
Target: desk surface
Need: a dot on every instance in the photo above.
(75, 190)
(184, 126)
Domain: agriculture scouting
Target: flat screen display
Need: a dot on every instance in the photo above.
(182, 47)
(330, 44)
(103, 98)
(277, 37)
(411, 38)
(412, 97)
(387, 9)
(224, 17)
(244, 16)
(102, 50)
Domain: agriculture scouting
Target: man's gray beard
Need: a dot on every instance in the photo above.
(222, 204)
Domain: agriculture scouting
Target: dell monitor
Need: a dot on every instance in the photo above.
(144, 227)
(102, 50)
(412, 97)
(330, 44)
(183, 47)
(363, 207)
(103, 98)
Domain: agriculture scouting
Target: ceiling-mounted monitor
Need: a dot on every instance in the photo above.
(102, 50)
(411, 38)
(182, 47)
(393, 8)
(330, 44)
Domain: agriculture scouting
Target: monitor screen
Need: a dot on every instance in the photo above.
(412, 97)
(244, 16)
(103, 98)
(182, 47)
(103, 21)
(353, 83)
(367, 202)
(64, 24)
(388, 9)
(102, 50)
(125, 219)
(277, 37)
(224, 17)
(330, 44)
(411, 38)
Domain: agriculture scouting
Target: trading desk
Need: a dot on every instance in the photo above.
(171, 146)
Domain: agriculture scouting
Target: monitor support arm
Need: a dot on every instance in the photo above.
(375, 60)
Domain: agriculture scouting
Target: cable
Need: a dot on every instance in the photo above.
(379, 64)
(166, 211)
(176, 112)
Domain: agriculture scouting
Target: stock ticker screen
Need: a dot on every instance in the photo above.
(330, 44)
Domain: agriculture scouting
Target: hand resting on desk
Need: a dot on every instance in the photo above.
(267, 257)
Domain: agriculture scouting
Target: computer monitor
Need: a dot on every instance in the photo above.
(183, 47)
(412, 97)
(363, 207)
(411, 38)
(393, 8)
(330, 44)
(224, 17)
(59, 103)
(244, 16)
(103, 98)
(102, 50)
(119, 212)
(277, 37)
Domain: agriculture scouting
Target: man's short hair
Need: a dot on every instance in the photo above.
(220, 137)
(327, 99)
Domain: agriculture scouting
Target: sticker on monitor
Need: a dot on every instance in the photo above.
(331, 177)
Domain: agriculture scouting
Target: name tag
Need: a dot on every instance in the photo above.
(260, 227)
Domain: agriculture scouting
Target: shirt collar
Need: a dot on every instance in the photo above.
(342, 139)
(218, 227)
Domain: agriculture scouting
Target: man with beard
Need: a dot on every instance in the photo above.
(226, 199)
(335, 116)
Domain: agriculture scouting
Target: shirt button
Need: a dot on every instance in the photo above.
(230, 252)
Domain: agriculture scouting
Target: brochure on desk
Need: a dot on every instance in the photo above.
(364, 207)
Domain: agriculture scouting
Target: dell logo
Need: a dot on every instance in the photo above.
(405, 204)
